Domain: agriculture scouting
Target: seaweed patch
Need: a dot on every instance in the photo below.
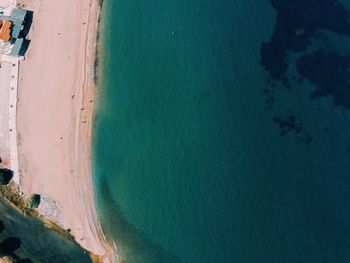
(304, 30)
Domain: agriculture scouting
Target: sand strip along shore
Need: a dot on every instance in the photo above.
(56, 101)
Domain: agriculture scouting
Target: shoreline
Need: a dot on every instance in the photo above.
(72, 205)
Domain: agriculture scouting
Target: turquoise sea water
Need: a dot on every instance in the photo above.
(202, 152)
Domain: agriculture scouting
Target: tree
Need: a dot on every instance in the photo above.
(33, 201)
(5, 176)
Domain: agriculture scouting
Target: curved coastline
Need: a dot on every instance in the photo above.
(114, 255)
(88, 96)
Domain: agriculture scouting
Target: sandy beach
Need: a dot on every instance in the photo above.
(55, 105)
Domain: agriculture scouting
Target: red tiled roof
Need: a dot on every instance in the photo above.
(5, 30)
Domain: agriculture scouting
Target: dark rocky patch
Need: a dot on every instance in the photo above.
(329, 73)
(297, 23)
(290, 124)
(25, 260)
(269, 98)
(300, 23)
(300, 81)
(2, 226)
(267, 91)
(269, 102)
(9, 245)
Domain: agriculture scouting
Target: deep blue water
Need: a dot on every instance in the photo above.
(221, 132)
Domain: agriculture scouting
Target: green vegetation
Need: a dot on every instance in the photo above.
(5, 176)
(12, 195)
(33, 201)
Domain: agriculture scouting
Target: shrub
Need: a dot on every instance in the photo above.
(33, 201)
(5, 176)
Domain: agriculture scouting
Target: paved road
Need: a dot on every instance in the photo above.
(5, 72)
(13, 120)
(12, 113)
